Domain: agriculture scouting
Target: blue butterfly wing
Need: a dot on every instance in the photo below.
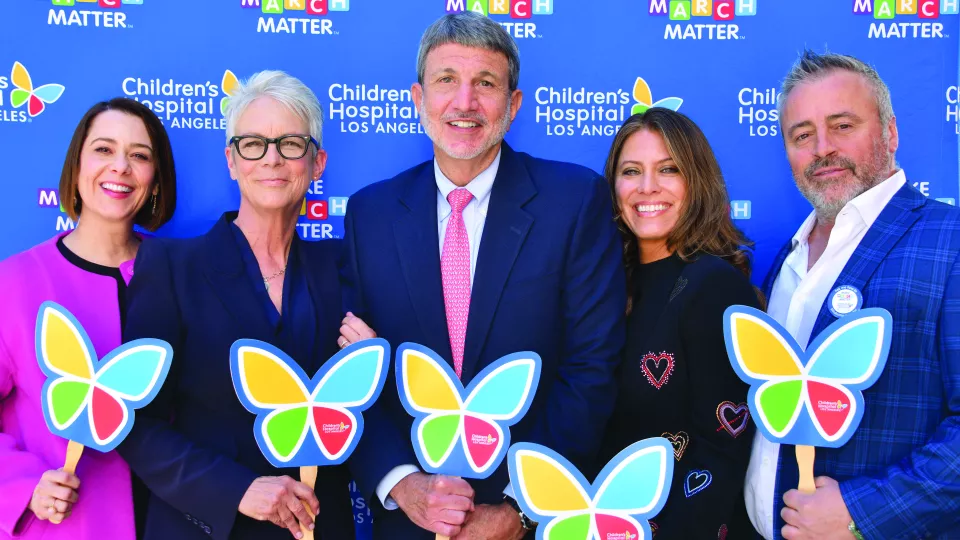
(136, 370)
(503, 391)
(49, 93)
(355, 376)
(637, 480)
(672, 103)
(853, 350)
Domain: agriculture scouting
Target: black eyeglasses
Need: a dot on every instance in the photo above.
(254, 147)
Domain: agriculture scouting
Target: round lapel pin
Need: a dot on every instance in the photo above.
(844, 300)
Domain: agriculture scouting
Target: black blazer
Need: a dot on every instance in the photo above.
(193, 446)
(676, 381)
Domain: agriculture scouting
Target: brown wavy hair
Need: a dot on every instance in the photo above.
(704, 225)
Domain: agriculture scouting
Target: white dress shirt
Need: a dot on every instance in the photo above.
(474, 217)
(795, 302)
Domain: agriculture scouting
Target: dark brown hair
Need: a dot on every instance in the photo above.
(164, 172)
(704, 225)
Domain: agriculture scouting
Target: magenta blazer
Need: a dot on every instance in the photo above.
(27, 448)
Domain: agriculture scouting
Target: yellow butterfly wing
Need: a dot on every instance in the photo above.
(230, 83)
(428, 387)
(267, 381)
(547, 486)
(761, 347)
(641, 92)
(21, 78)
(63, 343)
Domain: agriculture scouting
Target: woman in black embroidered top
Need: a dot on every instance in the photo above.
(686, 264)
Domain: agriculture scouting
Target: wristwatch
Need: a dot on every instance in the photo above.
(525, 522)
(852, 527)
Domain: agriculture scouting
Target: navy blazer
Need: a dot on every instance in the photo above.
(549, 279)
(899, 473)
(194, 445)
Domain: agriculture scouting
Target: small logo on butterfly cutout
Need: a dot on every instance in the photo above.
(484, 440)
(657, 368)
(832, 406)
(681, 283)
(342, 427)
(626, 535)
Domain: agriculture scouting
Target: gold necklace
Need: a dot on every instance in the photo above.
(266, 279)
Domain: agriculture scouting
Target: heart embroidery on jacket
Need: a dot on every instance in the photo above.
(657, 368)
(733, 417)
(679, 442)
(696, 482)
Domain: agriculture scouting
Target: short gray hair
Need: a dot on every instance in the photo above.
(812, 66)
(470, 30)
(287, 90)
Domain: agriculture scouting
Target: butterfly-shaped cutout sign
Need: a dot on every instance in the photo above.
(457, 431)
(24, 92)
(631, 489)
(228, 86)
(813, 397)
(304, 422)
(91, 401)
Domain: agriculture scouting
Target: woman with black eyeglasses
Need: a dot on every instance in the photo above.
(251, 276)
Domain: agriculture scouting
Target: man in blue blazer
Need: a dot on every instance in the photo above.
(871, 241)
(546, 277)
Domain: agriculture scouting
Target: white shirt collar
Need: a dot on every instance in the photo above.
(480, 187)
(868, 205)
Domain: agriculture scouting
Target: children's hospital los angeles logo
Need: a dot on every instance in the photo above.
(517, 17)
(92, 13)
(21, 100)
(184, 104)
(703, 19)
(572, 112)
(308, 17)
(905, 19)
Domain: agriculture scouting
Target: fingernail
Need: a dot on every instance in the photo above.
(311, 526)
(299, 535)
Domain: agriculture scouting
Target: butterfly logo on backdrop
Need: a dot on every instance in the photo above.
(229, 86)
(644, 99)
(106, 390)
(826, 382)
(478, 417)
(631, 489)
(294, 411)
(24, 92)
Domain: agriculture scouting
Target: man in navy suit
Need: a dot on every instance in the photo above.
(482, 252)
(872, 240)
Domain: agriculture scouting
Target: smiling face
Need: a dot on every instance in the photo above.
(650, 192)
(116, 173)
(466, 106)
(835, 140)
(273, 182)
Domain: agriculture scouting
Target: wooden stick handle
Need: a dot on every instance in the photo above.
(308, 475)
(74, 451)
(440, 536)
(805, 455)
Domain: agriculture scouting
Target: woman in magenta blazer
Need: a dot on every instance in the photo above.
(118, 172)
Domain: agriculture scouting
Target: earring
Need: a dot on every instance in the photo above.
(154, 204)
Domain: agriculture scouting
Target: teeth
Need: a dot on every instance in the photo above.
(116, 187)
(464, 124)
(651, 207)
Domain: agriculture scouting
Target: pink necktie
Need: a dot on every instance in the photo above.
(455, 270)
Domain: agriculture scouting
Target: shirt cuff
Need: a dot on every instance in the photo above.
(508, 491)
(393, 478)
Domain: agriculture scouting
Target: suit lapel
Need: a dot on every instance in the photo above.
(322, 283)
(226, 275)
(774, 271)
(504, 231)
(892, 223)
(418, 247)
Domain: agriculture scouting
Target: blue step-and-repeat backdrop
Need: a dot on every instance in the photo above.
(581, 60)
